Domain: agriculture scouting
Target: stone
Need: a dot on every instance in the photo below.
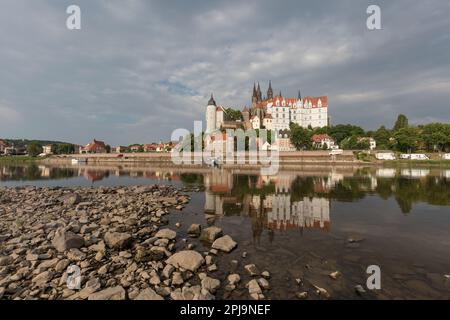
(265, 274)
(210, 284)
(117, 240)
(210, 234)
(5, 261)
(209, 260)
(194, 230)
(212, 268)
(93, 285)
(177, 279)
(178, 225)
(2, 292)
(166, 234)
(148, 294)
(233, 279)
(335, 275)
(244, 254)
(360, 290)
(62, 265)
(42, 278)
(155, 280)
(225, 243)
(167, 271)
(302, 295)
(72, 199)
(76, 255)
(322, 292)
(254, 290)
(65, 240)
(187, 259)
(113, 293)
(263, 283)
(252, 270)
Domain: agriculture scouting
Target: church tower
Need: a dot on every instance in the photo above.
(211, 115)
(258, 93)
(255, 95)
(270, 91)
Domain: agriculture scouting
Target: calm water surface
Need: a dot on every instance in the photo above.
(297, 224)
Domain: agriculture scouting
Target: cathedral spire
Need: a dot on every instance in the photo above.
(270, 91)
(299, 95)
(259, 95)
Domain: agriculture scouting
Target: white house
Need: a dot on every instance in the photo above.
(323, 140)
(268, 122)
(255, 122)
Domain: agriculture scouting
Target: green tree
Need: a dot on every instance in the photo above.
(402, 122)
(382, 136)
(436, 136)
(34, 149)
(108, 148)
(408, 139)
(343, 131)
(232, 114)
(300, 137)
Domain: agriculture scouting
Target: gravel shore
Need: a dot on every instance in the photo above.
(107, 244)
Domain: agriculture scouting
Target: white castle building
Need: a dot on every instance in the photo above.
(273, 112)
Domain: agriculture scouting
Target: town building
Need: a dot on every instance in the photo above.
(47, 149)
(3, 146)
(95, 146)
(323, 141)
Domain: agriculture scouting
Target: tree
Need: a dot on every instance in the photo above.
(343, 131)
(108, 148)
(34, 149)
(300, 137)
(407, 139)
(382, 136)
(232, 115)
(402, 122)
(436, 136)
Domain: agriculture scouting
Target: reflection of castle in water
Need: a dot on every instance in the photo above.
(276, 209)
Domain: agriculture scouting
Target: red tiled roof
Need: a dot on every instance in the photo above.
(320, 137)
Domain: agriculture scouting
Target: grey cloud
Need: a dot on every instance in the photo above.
(139, 69)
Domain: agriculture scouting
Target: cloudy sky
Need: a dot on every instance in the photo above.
(138, 69)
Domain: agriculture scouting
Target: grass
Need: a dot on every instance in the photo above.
(18, 159)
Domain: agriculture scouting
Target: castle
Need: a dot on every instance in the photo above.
(271, 112)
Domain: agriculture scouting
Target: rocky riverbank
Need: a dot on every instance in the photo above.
(117, 240)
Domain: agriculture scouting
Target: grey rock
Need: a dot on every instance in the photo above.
(117, 240)
(194, 230)
(210, 234)
(210, 284)
(65, 240)
(166, 234)
(225, 243)
(148, 294)
(114, 293)
(188, 259)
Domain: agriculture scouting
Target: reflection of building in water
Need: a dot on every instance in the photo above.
(273, 211)
(415, 173)
(306, 213)
(45, 171)
(386, 173)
